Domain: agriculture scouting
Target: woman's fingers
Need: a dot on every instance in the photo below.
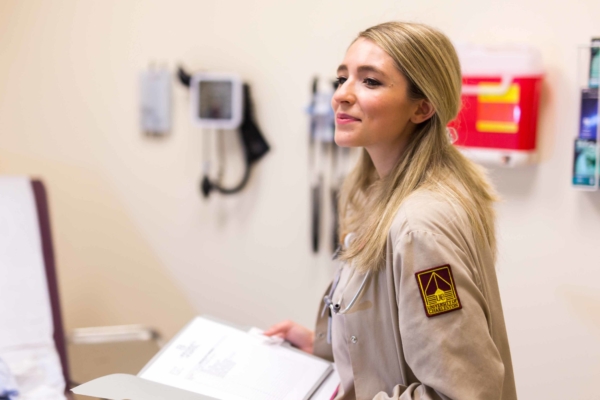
(281, 329)
(296, 334)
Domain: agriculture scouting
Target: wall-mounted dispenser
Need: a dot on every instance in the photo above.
(501, 88)
(155, 101)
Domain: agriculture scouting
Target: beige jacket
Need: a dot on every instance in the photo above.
(397, 350)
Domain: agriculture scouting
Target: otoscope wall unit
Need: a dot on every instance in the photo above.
(586, 148)
(328, 166)
(497, 124)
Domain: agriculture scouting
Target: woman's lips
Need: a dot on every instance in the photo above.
(342, 119)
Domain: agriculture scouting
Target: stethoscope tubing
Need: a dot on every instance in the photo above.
(335, 307)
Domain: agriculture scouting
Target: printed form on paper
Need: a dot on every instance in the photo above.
(226, 363)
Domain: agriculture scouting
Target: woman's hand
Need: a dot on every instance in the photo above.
(299, 336)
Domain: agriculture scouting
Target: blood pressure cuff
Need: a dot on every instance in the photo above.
(255, 145)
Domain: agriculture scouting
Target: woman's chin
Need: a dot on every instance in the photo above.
(345, 140)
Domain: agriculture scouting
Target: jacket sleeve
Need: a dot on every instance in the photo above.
(452, 354)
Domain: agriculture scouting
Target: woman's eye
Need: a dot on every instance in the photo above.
(340, 81)
(372, 82)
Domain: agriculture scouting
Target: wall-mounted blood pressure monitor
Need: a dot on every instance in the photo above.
(222, 101)
(216, 100)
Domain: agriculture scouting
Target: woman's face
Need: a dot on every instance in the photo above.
(371, 105)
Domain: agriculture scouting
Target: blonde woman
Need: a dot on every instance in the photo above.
(415, 311)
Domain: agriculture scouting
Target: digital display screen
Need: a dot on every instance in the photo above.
(216, 100)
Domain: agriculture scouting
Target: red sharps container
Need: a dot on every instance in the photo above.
(497, 123)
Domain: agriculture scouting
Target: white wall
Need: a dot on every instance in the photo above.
(136, 243)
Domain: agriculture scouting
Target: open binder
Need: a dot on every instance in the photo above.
(212, 360)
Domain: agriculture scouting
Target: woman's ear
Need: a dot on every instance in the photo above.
(424, 111)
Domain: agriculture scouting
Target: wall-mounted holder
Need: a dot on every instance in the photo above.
(586, 147)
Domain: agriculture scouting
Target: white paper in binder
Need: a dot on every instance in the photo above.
(211, 360)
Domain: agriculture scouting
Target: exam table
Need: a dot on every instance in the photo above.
(33, 342)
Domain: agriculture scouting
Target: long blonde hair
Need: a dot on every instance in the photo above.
(429, 62)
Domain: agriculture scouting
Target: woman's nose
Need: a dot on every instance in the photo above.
(343, 94)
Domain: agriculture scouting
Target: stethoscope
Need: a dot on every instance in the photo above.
(335, 308)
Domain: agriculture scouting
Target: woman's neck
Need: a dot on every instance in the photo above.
(386, 156)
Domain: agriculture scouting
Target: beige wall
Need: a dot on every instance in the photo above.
(136, 243)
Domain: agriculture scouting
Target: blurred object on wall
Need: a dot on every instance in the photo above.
(155, 101)
(328, 163)
(497, 124)
(221, 101)
(586, 153)
(595, 63)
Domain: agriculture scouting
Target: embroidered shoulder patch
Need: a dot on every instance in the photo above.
(438, 290)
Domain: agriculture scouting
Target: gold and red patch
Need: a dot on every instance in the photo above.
(438, 290)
